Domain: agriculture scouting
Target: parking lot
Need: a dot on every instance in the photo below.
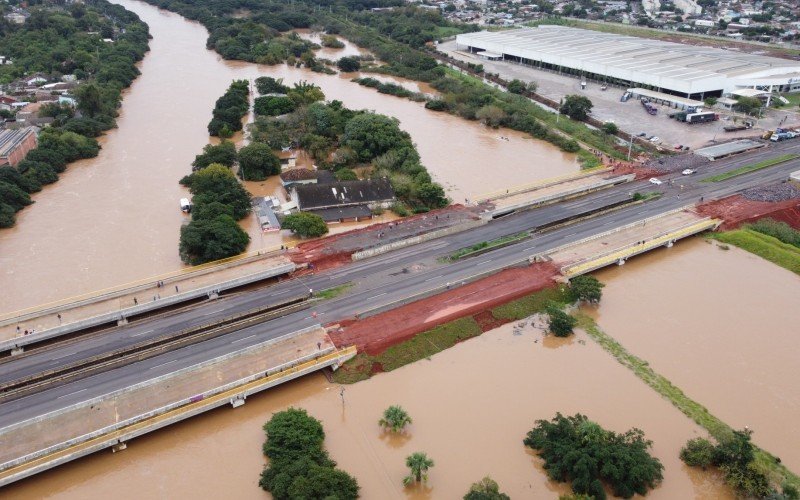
(629, 116)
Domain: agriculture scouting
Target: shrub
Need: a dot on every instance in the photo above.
(560, 323)
(348, 64)
(698, 452)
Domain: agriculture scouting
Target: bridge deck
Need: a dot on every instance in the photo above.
(75, 310)
(28, 440)
(609, 242)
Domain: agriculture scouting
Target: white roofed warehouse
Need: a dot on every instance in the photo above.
(673, 68)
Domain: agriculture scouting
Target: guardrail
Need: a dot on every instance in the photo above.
(413, 240)
(556, 197)
(622, 253)
(134, 286)
(552, 181)
(122, 315)
(167, 415)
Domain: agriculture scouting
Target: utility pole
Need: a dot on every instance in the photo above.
(630, 146)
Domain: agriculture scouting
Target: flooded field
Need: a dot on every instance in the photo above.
(719, 325)
(115, 218)
(470, 420)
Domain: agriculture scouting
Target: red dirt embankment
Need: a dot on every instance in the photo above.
(334, 250)
(376, 333)
(737, 210)
(641, 172)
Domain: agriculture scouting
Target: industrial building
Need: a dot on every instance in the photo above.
(15, 144)
(672, 68)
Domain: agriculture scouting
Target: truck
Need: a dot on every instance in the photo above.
(705, 116)
(649, 107)
(735, 128)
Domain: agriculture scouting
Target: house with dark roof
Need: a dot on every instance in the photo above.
(297, 176)
(344, 200)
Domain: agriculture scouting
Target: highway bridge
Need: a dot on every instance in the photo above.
(378, 283)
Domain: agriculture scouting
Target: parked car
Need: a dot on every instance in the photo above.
(641, 134)
(655, 181)
(688, 171)
(655, 138)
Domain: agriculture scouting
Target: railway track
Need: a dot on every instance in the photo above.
(24, 386)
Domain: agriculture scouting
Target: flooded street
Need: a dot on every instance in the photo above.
(471, 421)
(114, 219)
(719, 325)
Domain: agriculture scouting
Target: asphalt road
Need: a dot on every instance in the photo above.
(378, 281)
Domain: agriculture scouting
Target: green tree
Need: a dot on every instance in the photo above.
(698, 452)
(90, 100)
(305, 225)
(223, 153)
(257, 162)
(292, 434)
(560, 323)
(269, 85)
(324, 483)
(579, 451)
(586, 288)
(610, 128)
(517, 86)
(206, 240)
(418, 464)
(394, 419)
(748, 105)
(346, 174)
(485, 489)
(576, 107)
(348, 64)
(371, 135)
(490, 115)
(432, 195)
(305, 93)
(273, 105)
(217, 183)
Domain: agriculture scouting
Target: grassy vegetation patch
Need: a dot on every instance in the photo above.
(767, 247)
(533, 303)
(331, 293)
(485, 246)
(692, 409)
(750, 168)
(421, 346)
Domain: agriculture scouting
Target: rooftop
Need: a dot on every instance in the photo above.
(298, 174)
(10, 139)
(337, 194)
(608, 53)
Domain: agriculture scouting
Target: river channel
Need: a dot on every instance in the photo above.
(718, 324)
(114, 219)
(472, 406)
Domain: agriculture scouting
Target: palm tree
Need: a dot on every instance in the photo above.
(395, 419)
(418, 463)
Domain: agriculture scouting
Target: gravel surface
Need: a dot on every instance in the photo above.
(677, 163)
(776, 192)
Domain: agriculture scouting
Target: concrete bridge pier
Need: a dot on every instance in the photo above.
(621, 262)
(119, 446)
(17, 351)
(122, 321)
(214, 294)
(670, 243)
(237, 401)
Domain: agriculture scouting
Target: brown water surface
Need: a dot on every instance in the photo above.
(471, 405)
(719, 324)
(115, 218)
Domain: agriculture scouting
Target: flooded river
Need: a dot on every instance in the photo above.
(472, 406)
(114, 219)
(719, 325)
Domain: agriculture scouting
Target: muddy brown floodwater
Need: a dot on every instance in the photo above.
(114, 219)
(719, 324)
(472, 406)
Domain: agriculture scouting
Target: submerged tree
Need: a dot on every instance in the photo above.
(586, 288)
(485, 489)
(418, 464)
(394, 419)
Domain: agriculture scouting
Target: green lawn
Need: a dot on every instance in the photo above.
(333, 292)
(486, 246)
(750, 168)
(532, 304)
(766, 247)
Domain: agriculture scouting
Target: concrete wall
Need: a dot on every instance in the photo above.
(371, 252)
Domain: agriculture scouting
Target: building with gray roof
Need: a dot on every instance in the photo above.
(686, 70)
